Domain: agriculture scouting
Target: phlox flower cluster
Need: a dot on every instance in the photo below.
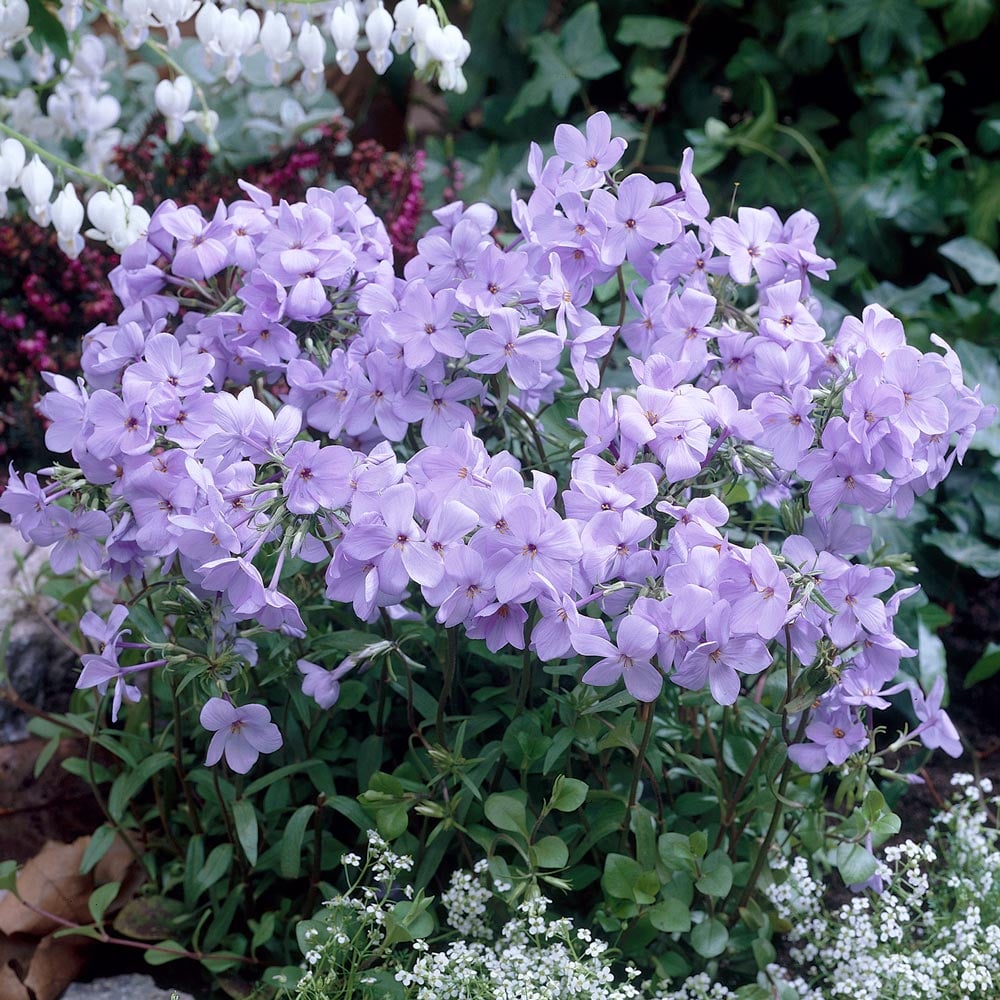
(364, 453)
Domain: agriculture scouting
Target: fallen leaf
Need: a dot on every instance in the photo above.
(56, 963)
(50, 881)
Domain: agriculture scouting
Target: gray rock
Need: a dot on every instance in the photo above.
(40, 668)
(132, 987)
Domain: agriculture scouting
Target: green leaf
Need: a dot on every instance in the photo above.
(46, 27)
(716, 875)
(670, 916)
(101, 839)
(985, 667)
(583, 45)
(649, 86)
(931, 657)
(549, 852)
(217, 864)
(245, 818)
(710, 938)
(625, 878)
(507, 812)
(175, 951)
(975, 257)
(126, 785)
(148, 918)
(856, 865)
(101, 898)
(290, 858)
(48, 751)
(649, 32)
(967, 551)
(8, 876)
(965, 20)
(568, 794)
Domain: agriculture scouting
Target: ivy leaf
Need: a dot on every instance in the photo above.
(883, 26)
(966, 19)
(649, 32)
(985, 667)
(583, 44)
(975, 257)
(970, 552)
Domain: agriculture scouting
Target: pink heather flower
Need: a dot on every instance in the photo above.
(243, 733)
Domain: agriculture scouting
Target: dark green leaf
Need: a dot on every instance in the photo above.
(985, 667)
(549, 852)
(568, 794)
(649, 32)
(856, 865)
(245, 820)
(710, 938)
(670, 916)
(217, 864)
(172, 951)
(506, 811)
(290, 859)
(966, 19)
(975, 257)
(967, 551)
(101, 898)
(100, 841)
(583, 45)
(47, 28)
(716, 875)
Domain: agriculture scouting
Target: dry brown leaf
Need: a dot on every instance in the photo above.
(51, 880)
(57, 962)
(11, 988)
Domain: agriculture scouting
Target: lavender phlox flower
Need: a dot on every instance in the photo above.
(629, 656)
(871, 408)
(566, 292)
(538, 547)
(778, 368)
(690, 257)
(859, 685)
(590, 342)
(75, 535)
(559, 621)
(936, 728)
(757, 590)
(634, 489)
(100, 669)
(445, 260)
(635, 224)
(497, 280)
(834, 734)
(279, 613)
(877, 331)
(852, 596)
(357, 582)
(499, 624)
(610, 540)
(837, 533)
(238, 579)
(168, 371)
(325, 397)
(204, 535)
(746, 241)
(471, 586)
(424, 325)
(65, 409)
(700, 567)
(241, 733)
(730, 420)
(118, 424)
(25, 501)
(598, 419)
(685, 325)
(376, 390)
(922, 381)
(157, 490)
(445, 532)
(784, 318)
(440, 411)
(721, 658)
(679, 619)
(785, 425)
(840, 473)
(670, 425)
(242, 428)
(592, 154)
(105, 633)
(502, 346)
(322, 685)
(392, 545)
(200, 247)
(577, 229)
(317, 477)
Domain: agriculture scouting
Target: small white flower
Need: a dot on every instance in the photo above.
(37, 183)
(67, 219)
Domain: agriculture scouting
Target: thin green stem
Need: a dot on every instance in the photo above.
(45, 154)
(640, 759)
